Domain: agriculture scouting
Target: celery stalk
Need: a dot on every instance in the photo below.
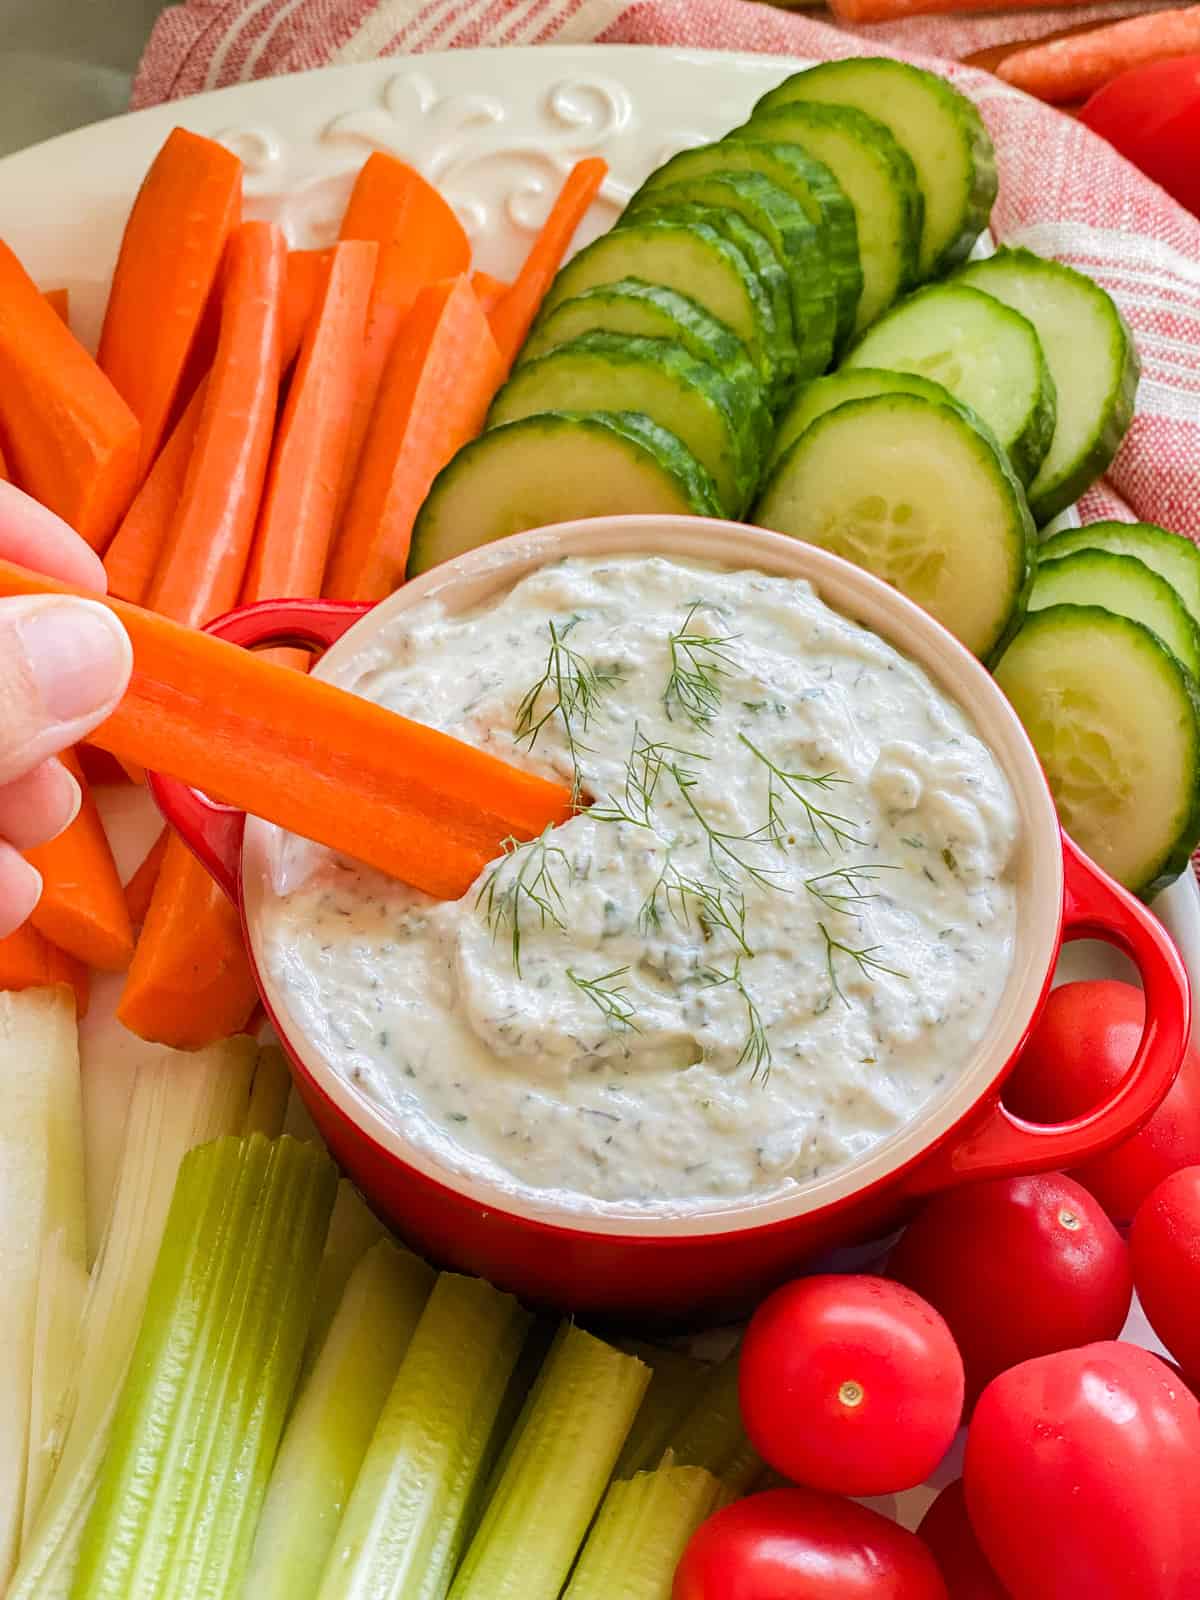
(39, 1061)
(403, 1530)
(711, 1434)
(331, 1426)
(269, 1093)
(570, 1436)
(178, 1101)
(202, 1408)
(353, 1230)
(640, 1534)
(675, 1382)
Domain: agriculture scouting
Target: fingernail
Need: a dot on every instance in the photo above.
(78, 657)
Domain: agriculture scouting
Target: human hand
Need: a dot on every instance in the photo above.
(64, 664)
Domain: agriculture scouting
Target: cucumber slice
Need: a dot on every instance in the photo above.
(552, 468)
(1169, 554)
(809, 182)
(1092, 359)
(911, 490)
(768, 270)
(879, 180)
(612, 372)
(649, 311)
(941, 130)
(849, 383)
(690, 257)
(797, 244)
(983, 351)
(1122, 584)
(1115, 720)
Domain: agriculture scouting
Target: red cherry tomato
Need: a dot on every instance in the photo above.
(1165, 1242)
(947, 1530)
(850, 1384)
(796, 1544)
(1083, 1478)
(1018, 1267)
(1079, 1051)
(1152, 115)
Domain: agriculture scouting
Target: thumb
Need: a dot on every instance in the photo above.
(64, 665)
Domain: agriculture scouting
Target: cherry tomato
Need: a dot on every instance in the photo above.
(947, 1530)
(1152, 115)
(850, 1384)
(796, 1544)
(1083, 1477)
(1165, 1242)
(1018, 1267)
(1079, 1051)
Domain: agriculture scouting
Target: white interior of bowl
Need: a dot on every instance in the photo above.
(468, 581)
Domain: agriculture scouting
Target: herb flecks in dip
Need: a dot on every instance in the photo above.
(778, 929)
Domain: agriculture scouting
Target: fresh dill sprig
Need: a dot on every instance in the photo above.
(698, 662)
(865, 960)
(757, 1048)
(608, 996)
(841, 830)
(531, 887)
(714, 905)
(576, 686)
(844, 888)
(644, 768)
(722, 846)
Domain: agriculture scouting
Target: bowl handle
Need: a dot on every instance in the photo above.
(213, 832)
(1003, 1144)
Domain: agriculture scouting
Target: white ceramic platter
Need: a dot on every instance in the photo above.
(496, 131)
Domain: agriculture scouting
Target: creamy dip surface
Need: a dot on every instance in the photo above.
(777, 930)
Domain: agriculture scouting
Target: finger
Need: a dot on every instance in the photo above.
(34, 537)
(20, 890)
(64, 664)
(37, 807)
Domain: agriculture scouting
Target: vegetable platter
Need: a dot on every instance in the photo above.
(1027, 406)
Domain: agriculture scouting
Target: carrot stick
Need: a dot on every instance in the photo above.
(28, 961)
(133, 555)
(311, 757)
(71, 440)
(513, 317)
(189, 202)
(420, 241)
(199, 573)
(489, 291)
(307, 460)
(59, 301)
(82, 909)
(306, 274)
(1069, 69)
(4, 474)
(439, 382)
(190, 983)
(99, 768)
(140, 889)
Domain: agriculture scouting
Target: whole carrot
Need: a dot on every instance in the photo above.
(200, 571)
(1064, 70)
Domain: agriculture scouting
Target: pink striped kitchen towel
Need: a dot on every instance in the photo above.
(1063, 191)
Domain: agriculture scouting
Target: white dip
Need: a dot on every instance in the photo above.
(778, 933)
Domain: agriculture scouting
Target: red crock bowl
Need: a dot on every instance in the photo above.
(713, 1264)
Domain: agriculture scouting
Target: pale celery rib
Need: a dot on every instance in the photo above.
(218, 1351)
(268, 1093)
(404, 1528)
(177, 1101)
(711, 1434)
(335, 1415)
(641, 1533)
(568, 1440)
(354, 1228)
(677, 1378)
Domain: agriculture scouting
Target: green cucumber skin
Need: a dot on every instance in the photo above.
(670, 315)
(744, 445)
(795, 240)
(1124, 538)
(853, 383)
(979, 150)
(811, 184)
(661, 448)
(1185, 645)
(1179, 852)
(1045, 504)
(1028, 450)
